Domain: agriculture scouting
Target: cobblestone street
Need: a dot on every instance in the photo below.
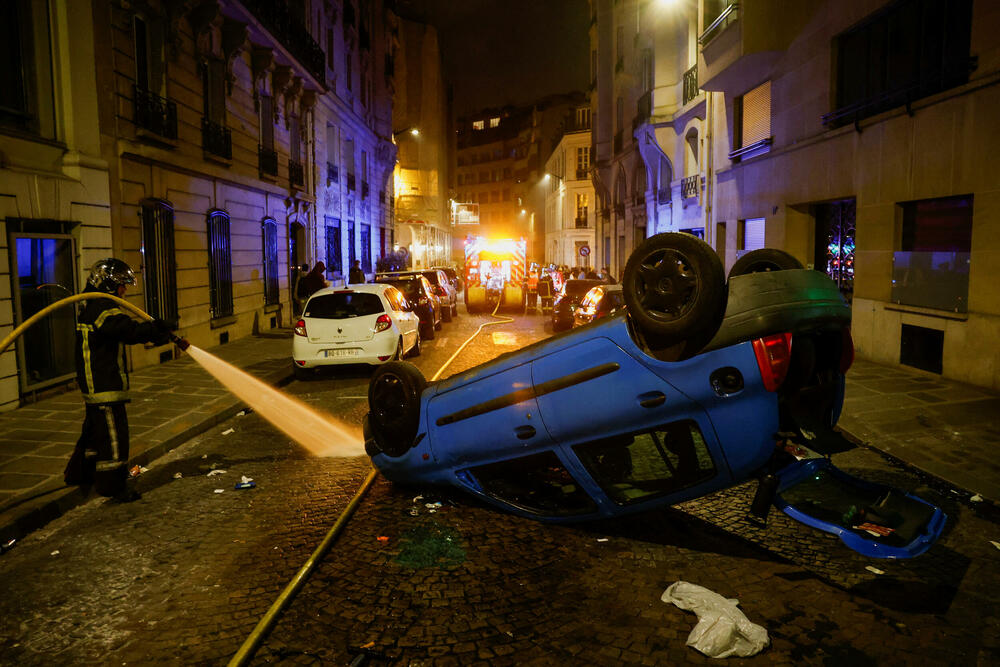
(183, 575)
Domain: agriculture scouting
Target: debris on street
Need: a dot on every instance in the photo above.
(7, 546)
(245, 485)
(54, 553)
(220, 490)
(382, 538)
(178, 475)
(244, 412)
(722, 629)
(602, 539)
(216, 471)
(996, 544)
(976, 498)
(228, 431)
(874, 570)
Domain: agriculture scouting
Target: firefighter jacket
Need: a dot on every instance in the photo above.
(102, 331)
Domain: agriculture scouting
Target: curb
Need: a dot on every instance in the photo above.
(63, 498)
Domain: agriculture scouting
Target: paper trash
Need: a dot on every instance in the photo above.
(722, 630)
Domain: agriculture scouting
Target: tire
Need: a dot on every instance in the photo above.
(394, 405)
(764, 259)
(302, 374)
(415, 350)
(446, 314)
(399, 350)
(437, 326)
(428, 332)
(674, 288)
(454, 310)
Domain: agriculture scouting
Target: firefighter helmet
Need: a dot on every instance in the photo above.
(108, 274)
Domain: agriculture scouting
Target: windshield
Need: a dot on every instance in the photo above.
(342, 305)
(410, 287)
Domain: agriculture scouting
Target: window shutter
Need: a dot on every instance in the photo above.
(757, 114)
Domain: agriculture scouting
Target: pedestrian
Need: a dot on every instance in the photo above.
(608, 278)
(314, 281)
(298, 288)
(356, 275)
(102, 332)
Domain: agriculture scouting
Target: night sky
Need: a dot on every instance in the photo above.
(507, 52)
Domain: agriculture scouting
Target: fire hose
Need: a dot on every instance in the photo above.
(136, 310)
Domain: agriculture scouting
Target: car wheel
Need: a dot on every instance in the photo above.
(428, 332)
(454, 310)
(302, 373)
(674, 288)
(399, 350)
(394, 405)
(764, 259)
(415, 350)
(437, 325)
(446, 314)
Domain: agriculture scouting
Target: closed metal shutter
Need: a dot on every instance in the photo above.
(753, 234)
(757, 114)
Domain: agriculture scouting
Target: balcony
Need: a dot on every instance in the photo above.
(275, 17)
(350, 182)
(690, 84)
(756, 148)
(582, 174)
(296, 174)
(691, 186)
(154, 113)
(332, 173)
(723, 20)
(364, 189)
(581, 219)
(216, 139)
(267, 161)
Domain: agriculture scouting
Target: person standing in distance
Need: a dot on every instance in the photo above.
(102, 332)
(356, 275)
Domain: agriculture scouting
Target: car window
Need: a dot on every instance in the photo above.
(394, 298)
(639, 466)
(410, 287)
(538, 483)
(342, 305)
(593, 296)
(578, 287)
(432, 277)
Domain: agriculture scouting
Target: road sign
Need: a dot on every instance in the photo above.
(584, 250)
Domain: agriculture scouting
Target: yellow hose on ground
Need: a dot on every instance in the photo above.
(136, 310)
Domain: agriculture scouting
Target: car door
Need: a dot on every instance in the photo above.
(598, 403)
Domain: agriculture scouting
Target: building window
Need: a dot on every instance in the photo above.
(349, 69)
(582, 161)
(752, 123)
(220, 265)
(216, 137)
(478, 125)
(495, 121)
(582, 201)
(267, 122)
(506, 194)
(269, 228)
(334, 258)
(647, 70)
(351, 247)
(349, 162)
(332, 163)
(751, 234)
(910, 50)
(583, 118)
(931, 267)
(366, 248)
(26, 92)
(159, 263)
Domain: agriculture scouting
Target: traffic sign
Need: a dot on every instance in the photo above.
(584, 250)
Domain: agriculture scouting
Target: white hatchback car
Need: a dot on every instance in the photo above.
(359, 324)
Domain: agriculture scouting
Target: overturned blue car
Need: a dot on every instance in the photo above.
(702, 383)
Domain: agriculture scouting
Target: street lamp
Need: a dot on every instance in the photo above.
(412, 130)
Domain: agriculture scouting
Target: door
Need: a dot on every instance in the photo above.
(834, 251)
(43, 272)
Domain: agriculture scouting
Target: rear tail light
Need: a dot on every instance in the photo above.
(384, 357)
(382, 323)
(300, 328)
(773, 356)
(846, 350)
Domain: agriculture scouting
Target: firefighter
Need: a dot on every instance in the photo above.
(531, 299)
(102, 331)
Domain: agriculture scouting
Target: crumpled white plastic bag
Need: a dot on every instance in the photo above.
(722, 630)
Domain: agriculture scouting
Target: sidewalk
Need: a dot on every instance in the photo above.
(944, 428)
(171, 403)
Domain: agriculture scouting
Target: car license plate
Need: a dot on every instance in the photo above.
(344, 352)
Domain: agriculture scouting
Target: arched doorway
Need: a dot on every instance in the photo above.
(296, 258)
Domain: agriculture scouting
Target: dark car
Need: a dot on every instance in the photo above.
(453, 277)
(568, 300)
(599, 302)
(442, 288)
(697, 385)
(420, 295)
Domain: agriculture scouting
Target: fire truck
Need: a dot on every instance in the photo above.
(494, 269)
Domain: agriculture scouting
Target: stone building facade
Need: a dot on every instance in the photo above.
(237, 140)
(569, 199)
(854, 135)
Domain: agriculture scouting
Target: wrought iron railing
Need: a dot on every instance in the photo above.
(296, 174)
(268, 160)
(690, 186)
(275, 16)
(739, 153)
(154, 113)
(690, 84)
(216, 139)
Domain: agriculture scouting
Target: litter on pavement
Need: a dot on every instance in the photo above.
(996, 544)
(54, 553)
(722, 630)
(244, 412)
(216, 472)
(178, 475)
(874, 570)
(220, 490)
(228, 431)
(976, 498)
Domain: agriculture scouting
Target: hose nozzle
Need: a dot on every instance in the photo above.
(182, 343)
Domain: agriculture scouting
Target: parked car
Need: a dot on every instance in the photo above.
(360, 324)
(623, 415)
(420, 294)
(599, 302)
(568, 300)
(442, 288)
(453, 276)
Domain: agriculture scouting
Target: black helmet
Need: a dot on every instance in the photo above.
(108, 274)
